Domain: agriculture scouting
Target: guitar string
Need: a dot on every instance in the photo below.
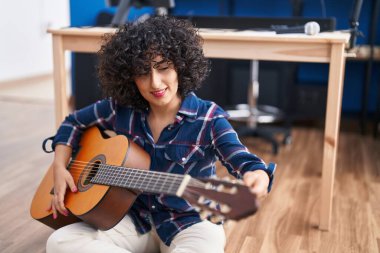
(158, 185)
(77, 164)
(146, 185)
(138, 178)
(76, 170)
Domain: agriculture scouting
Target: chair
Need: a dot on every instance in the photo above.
(255, 115)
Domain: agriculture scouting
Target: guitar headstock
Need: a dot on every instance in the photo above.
(221, 199)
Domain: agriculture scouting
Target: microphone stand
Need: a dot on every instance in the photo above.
(354, 22)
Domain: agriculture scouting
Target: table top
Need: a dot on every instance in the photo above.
(224, 34)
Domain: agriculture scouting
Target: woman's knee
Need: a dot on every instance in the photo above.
(67, 236)
(203, 237)
(52, 244)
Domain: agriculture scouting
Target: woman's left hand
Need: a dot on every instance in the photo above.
(258, 182)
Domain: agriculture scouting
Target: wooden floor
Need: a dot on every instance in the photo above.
(286, 222)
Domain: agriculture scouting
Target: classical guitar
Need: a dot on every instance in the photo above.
(107, 170)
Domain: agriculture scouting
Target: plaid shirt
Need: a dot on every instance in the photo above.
(199, 136)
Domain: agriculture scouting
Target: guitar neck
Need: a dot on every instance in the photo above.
(142, 180)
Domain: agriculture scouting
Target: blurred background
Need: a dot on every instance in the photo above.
(26, 52)
(295, 92)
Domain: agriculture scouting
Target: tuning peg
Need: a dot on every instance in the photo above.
(208, 186)
(233, 190)
(217, 218)
(213, 204)
(220, 188)
(205, 214)
(201, 200)
(225, 208)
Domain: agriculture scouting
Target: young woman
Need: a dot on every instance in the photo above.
(149, 70)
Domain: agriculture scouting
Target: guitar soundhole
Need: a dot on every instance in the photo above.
(93, 169)
(89, 172)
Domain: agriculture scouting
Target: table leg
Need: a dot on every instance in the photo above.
(333, 113)
(61, 101)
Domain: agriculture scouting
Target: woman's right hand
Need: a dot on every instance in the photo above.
(62, 180)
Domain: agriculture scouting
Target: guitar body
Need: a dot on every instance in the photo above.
(98, 205)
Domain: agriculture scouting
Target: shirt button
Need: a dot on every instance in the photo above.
(153, 207)
(183, 159)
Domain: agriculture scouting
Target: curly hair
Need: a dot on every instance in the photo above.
(128, 53)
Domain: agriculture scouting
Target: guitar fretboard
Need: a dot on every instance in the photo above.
(143, 180)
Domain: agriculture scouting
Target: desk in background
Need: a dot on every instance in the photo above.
(323, 48)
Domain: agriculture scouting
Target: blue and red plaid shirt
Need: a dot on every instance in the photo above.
(199, 136)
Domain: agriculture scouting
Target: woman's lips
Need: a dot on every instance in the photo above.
(159, 93)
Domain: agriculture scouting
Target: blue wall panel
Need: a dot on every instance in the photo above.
(84, 12)
(263, 8)
(201, 8)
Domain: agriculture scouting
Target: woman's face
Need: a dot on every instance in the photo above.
(160, 86)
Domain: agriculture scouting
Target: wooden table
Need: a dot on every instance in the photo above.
(324, 48)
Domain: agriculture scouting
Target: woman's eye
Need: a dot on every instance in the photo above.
(162, 65)
(163, 68)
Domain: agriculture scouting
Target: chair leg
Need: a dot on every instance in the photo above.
(268, 133)
(269, 137)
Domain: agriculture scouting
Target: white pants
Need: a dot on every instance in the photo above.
(203, 237)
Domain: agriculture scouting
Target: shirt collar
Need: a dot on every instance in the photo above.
(189, 107)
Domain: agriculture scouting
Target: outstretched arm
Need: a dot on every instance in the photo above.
(238, 160)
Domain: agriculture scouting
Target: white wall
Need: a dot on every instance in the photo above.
(25, 47)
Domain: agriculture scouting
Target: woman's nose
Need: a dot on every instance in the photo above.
(155, 79)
